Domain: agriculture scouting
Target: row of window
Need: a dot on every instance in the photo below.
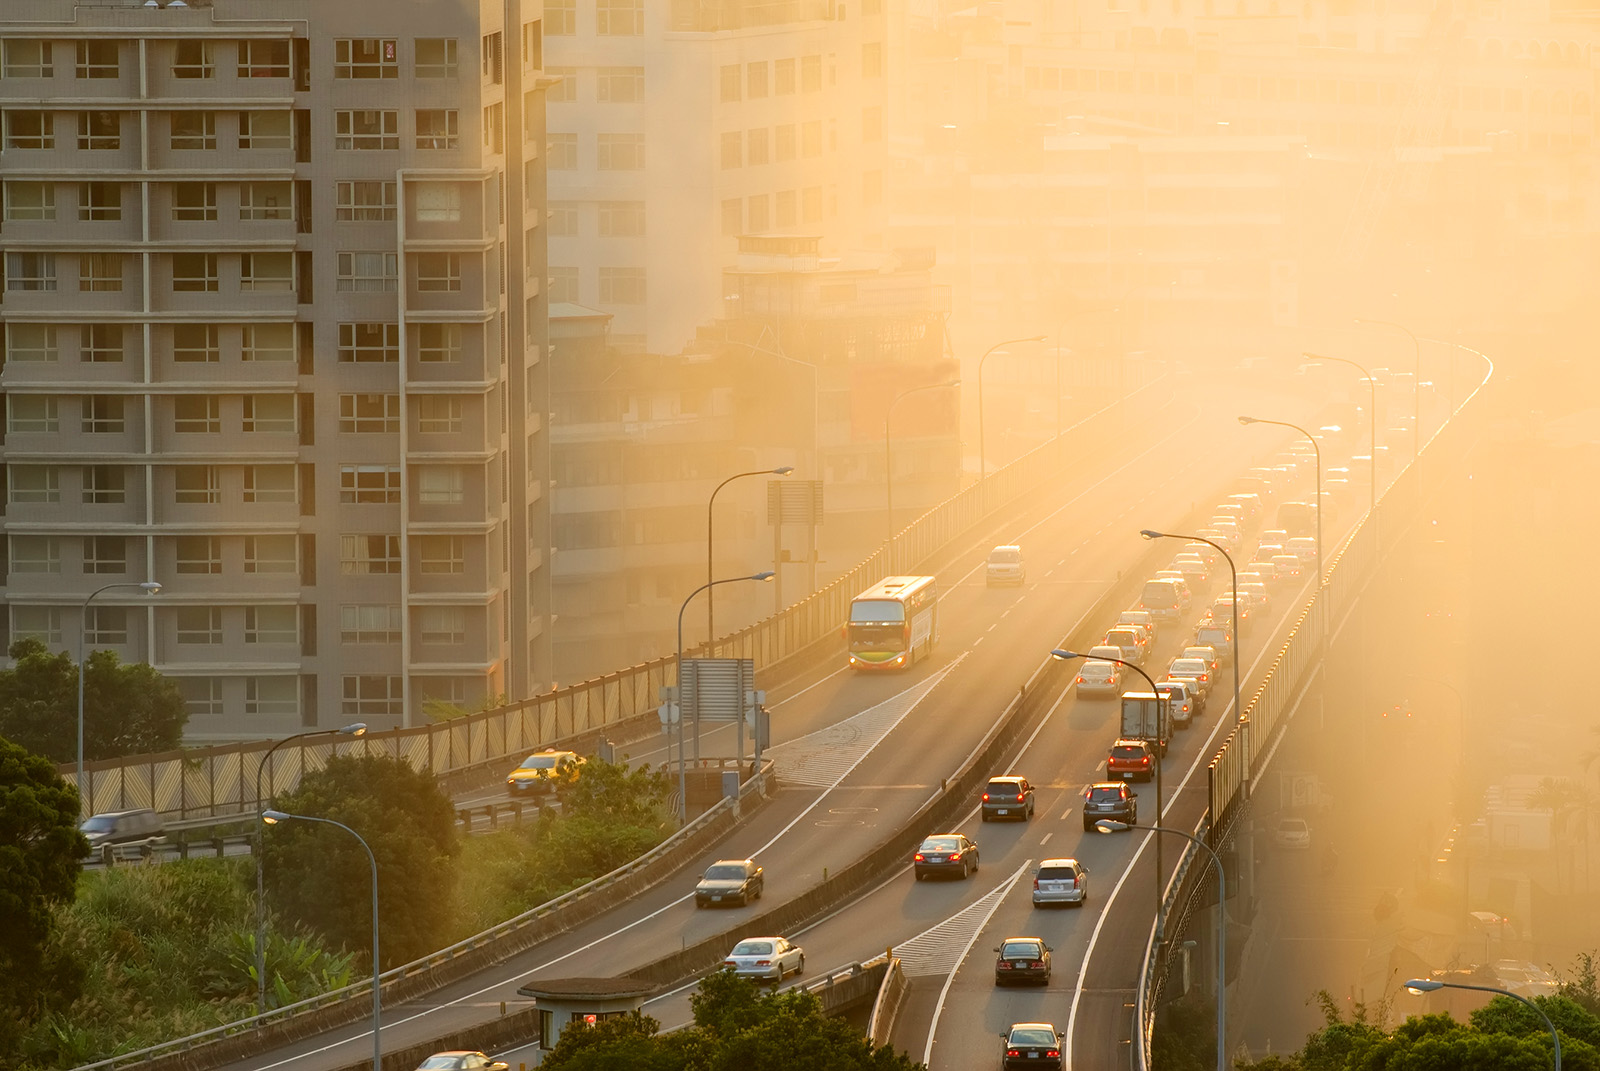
(612, 18)
(202, 343)
(358, 413)
(760, 146)
(618, 286)
(617, 219)
(358, 272)
(361, 696)
(355, 200)
(613, 152)
(750, 81)
(437, 485)
(763, 213)
(613, 85)
(359, 555)
(360, 625)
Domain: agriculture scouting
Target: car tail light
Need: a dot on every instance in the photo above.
(1145, 761)
(986, 797)
(1077, 879)
(729, 963)
(1037, 964)
(917, 858)
(1035, 883)
(1013, 1052)
(1005, 965)
(1053, 1054)
(955, 856)
(1019, 797)
(763, 963)
(1080, 679)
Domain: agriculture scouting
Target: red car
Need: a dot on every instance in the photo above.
(1131, 758)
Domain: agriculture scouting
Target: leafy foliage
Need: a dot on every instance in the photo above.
(128, 709)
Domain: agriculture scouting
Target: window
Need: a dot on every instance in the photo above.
(104, 485)
(783, 202)
(811, 138)
(369, 413)
(266, 130)
(199, 413)
(493, 52)
(620, 152)
(436, 57)
(756, 80)
(563, 91)
(31, 271)
(100, 273)
(201, 695)
(438, 128)
(437, 202)
(194, 130)
(194, 201)
(33, 412)
(99, 130)
(271, 554)
(269, 412)
(494, 128)
(100, 200)
(373, 697)
(266, 272)
(361, 555)
(369, 343)
(872, 59)
(441, 485)
(366, 57)
(441, 554)
(732, 83)
(199, 626)
(371, 484)
(100, 343)
(560, 18)
(199, 554)
(195, 343)
(368, 272)
(265, 200)
(438, 272)
(563, 219)
(42, 623)
(102, 413)
(366, 129)
(442, 625)
(31, 201)
(34, 483)
(271, 624)
(783, 76)
(267, 342)
(97, 59)
(561, 152)
(105, 554)
(756, 146)
(197, 485)
(269, 483)
(563, 284)
(810, 74)
(439, 413)
(28, 59)
(37, 554)
(359, 202)
(194, 59)
(194, 273)
(438, 343)
(732, 149)
(30, 130)
(622, 286)
(31, 342)
(785, 142)
(271, 695)
(106, 625)
(619, 18)
(263, 59)
(377, 623)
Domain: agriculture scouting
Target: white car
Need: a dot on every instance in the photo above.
(766, 959)
(1004, 565)
(1292, 833)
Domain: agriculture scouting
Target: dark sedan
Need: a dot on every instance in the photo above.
(947, 853)
(1022, 959)
(1031, 1045)
(729, 881)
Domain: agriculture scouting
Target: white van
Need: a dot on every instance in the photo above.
(1004, 565)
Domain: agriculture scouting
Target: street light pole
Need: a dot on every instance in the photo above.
(983, 468)
(782, 470)
(354, 729)
(888, 464)
(1416, 380)
(1420, 986)
(273, 818)
(1106, 826)
(1312, 439)
(683, 795)
(149, 587)
(1372, 424)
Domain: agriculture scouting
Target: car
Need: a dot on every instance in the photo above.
(1257, 591)
(1022, 959)
(730, 881)
(1234, 511)
(1109, 799)
(1131, 758)
(1260, 572)
(1208, 554)
(945, 853)
(1141, 617)
(1250, 501)
(1163, 599)
(1193, 569)
(544, 771)
(766, 959)
(461, 1060)
(1130, 641)
(1302, 547)
(1099, 678)
(1199, 650)
(1200, 669)
(1185, 593)
(1227, 540)
(1183, 701)
(1030, 1045)
(1004, 565)
(1292, 833)
(1063, 881)
(1008, 797)
(113, 834)
(1265, 552)
(1297, 518)
(1215, 635)
(1287, 565)
(1274, 536)
(1144, 630)
(1106, 652)
(1222, 609)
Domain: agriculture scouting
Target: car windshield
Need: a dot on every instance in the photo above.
(1105, 794)
(1018, 949)
(440, 1063)
(1124, 751)
(1292, 825)
(1121, 638)
(1004, 556)
(1056, 873)
(100, 823)
(1188, 667)
(725, 873)
(940, 844)
(1173, 692)
(1006, 787)
(752, 948)
(539, 762)
(1098, 669)
(877, 610)
(1027, 1035)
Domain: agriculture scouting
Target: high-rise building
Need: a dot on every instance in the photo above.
(274, 332)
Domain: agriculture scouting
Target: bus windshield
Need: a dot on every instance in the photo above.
(877, 611)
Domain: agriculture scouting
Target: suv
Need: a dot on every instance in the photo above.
(729, 881)
(1004, 566)
(1130, 641)
(1109, 799)
(1061, 881)
(1008, 797)
(1162, 599)
(123, 833)
(1218, 638)
(1131, 758)
(1182, 703)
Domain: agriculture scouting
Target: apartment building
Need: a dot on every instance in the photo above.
(274, 333)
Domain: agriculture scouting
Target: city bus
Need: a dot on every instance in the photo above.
(893, 623)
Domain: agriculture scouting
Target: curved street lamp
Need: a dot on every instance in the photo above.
(888, 462)
(983, 469)
(1372, 423)
(1420, 986)
(1416, 380)
(1312, 439)
(149, 587)
(781, 470)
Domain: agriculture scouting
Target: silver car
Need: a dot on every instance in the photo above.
(766, 959)
(1061, 881)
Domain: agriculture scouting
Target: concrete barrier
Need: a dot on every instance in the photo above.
(886, 1006)
(515, 1028)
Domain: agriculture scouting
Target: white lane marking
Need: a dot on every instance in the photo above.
(998, 895)
(1066, 814)
(977, 641)
(807, 688)
(1046, 838)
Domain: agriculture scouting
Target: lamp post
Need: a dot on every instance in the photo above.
(273, 818)
(782, 470)
(1420, 986)
(354, 729)
(1416, 381)
(1238, 707)
(983, 469)
(1107, 826)
(1372, 425)
(1313, 441)
(888, 461)
(149, 587)
(1064, 656)
(683, 795)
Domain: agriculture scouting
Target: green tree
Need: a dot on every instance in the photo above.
(616, 792)
(319, 877)
(128, 709)
(39, 851)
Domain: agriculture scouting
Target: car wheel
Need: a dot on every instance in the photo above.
(759, 889)
(974, 862)
(917, 874)
(983, 816)
(800, 968)
(1087, 825)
